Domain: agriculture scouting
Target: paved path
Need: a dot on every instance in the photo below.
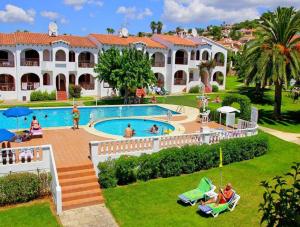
(92, 216)
(290, 137)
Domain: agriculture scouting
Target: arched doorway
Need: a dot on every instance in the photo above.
(72, 79)
(6, 58)
(30, 81)
(61, 82)
(86, 60)
(218, 77)
(46, 79)
(205, 55)
(198, 55)
(71, 56)
(181, 57)
(220, 59)
(7, 82)
(46, 55)
(160, 80)
(30, 58)
(180, 78)
(193, 55)
(158, 59)
(87, 81)
(60, 55)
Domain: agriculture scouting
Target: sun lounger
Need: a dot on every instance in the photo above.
(216, 210)
(36, 133)
(191, 197)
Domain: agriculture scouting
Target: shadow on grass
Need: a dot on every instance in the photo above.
(262, 98)
(183, 204)
(288, 118)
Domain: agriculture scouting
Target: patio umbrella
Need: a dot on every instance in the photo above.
(226, 109)
(6, 135)
(17, 112)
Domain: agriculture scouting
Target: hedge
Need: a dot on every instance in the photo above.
(244, 101)
(23, 187)
(75, 91)
(215, 88)
(42, 96)
(176, 161)
(195, 89)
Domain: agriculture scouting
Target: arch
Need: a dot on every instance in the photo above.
(86, 60)
(87, 81)
(46, 55)
(46, 79)
(160, 79)
(30, 57)
(193, 55)
(219, 58)
(72, 79)
(198, 55)
(6, 58)
(180, 78)
(243, 101)
(181, 57)
(218, 77)
(7, 82)
(71, 56)
(30, 81)
(170, 57)
(60, 55)
(205, 55)
(158, 59)
(60, 82)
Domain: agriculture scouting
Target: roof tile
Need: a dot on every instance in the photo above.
(174, 39)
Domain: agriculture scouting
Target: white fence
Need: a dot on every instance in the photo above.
(31, 159)
(101, 151)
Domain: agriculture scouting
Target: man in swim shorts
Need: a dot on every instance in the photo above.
(76, 116)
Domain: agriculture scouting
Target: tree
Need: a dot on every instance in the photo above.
(178, 29)
(200, 31)
(281, 202)
(206, 67)
(153, 26)
(110, 30)
(273, 56)
(216, 32)
(159, 27)
(126, 71)
(235, 34)
(140, 34)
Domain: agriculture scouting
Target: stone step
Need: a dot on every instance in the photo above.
(82, 202)
(80, 187)
(76, 174)
(74, 168)
(77, 181)
(80, 195)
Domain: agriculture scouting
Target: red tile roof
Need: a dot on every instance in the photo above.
(117, 40)
(174, 39)
(43, 39)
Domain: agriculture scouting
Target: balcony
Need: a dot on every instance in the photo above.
(6, 63)
(29, 86)
(181, 61)
(30, 62)
(158, 64)
(7, 87)
(86, 64)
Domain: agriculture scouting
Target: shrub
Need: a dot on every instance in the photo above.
(42, 96)
(23, 187)
(52, 95)
(244, 101)
(215, 88)
(195, 89)
(74, 91)
(175, 161)
(107, 175)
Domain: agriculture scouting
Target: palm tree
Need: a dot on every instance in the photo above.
(273, 56)
(206, 68)
(159, 27)
(110, 30)
(153, 26)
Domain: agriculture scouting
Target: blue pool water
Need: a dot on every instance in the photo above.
(60, 117)
(141, 127)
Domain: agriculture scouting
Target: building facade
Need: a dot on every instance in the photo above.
(38, 61)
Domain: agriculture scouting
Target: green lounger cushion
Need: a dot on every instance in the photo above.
(218, 209)
(198, 193)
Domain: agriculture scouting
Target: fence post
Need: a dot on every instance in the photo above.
(206, 137)
(93, 155)
(156, 147)
(58, 200)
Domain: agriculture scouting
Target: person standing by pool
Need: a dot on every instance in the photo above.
(76, 116)
(128, 132)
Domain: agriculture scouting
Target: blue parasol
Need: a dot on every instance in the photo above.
(6, 135)
(16, 112)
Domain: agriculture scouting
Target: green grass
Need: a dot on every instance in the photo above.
(39, 104)
(36, 214)
(233, 83)
(154, 203)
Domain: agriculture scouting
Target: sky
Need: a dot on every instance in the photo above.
(81, 17)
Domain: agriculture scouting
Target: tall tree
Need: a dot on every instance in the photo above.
(153, 26)
(159, 27)
(110, 30)
(125, 71)
(216, 32)
(273, 56)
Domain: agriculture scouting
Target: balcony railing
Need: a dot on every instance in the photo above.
(7, 87)
(86, 64)
(6, 63)
(30, 62)
(181, 61)
(28, 86)
(179, 82)
(158, 64)
(87, 86)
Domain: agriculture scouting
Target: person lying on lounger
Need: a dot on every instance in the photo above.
(224, 196)
(35, 125)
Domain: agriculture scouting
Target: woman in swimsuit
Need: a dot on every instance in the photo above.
(76, 115)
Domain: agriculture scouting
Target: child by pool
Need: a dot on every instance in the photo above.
(76, 116)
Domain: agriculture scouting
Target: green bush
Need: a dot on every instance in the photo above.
(244, 101)
(42, 96)
(75, 91)
(215, 88)
(175, 161)
(195, 89)
(23, 187)
(107, 176)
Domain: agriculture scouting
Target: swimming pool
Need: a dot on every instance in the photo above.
(62, 117)
(141, 127)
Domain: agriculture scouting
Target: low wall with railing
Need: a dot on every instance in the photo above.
(32, 159)
(101, 151)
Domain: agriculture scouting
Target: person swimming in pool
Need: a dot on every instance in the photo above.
(129, 132)
(154, 129)
(76, 116)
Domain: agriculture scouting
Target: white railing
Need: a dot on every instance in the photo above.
(32, 159)
(242, 124)
(101, 151)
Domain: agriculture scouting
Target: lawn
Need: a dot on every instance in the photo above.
(39, 104)
(154, 203)
(32, 214)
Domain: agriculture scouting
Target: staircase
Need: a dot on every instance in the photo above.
(79, 186)
(208, 89)
(61, 95)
